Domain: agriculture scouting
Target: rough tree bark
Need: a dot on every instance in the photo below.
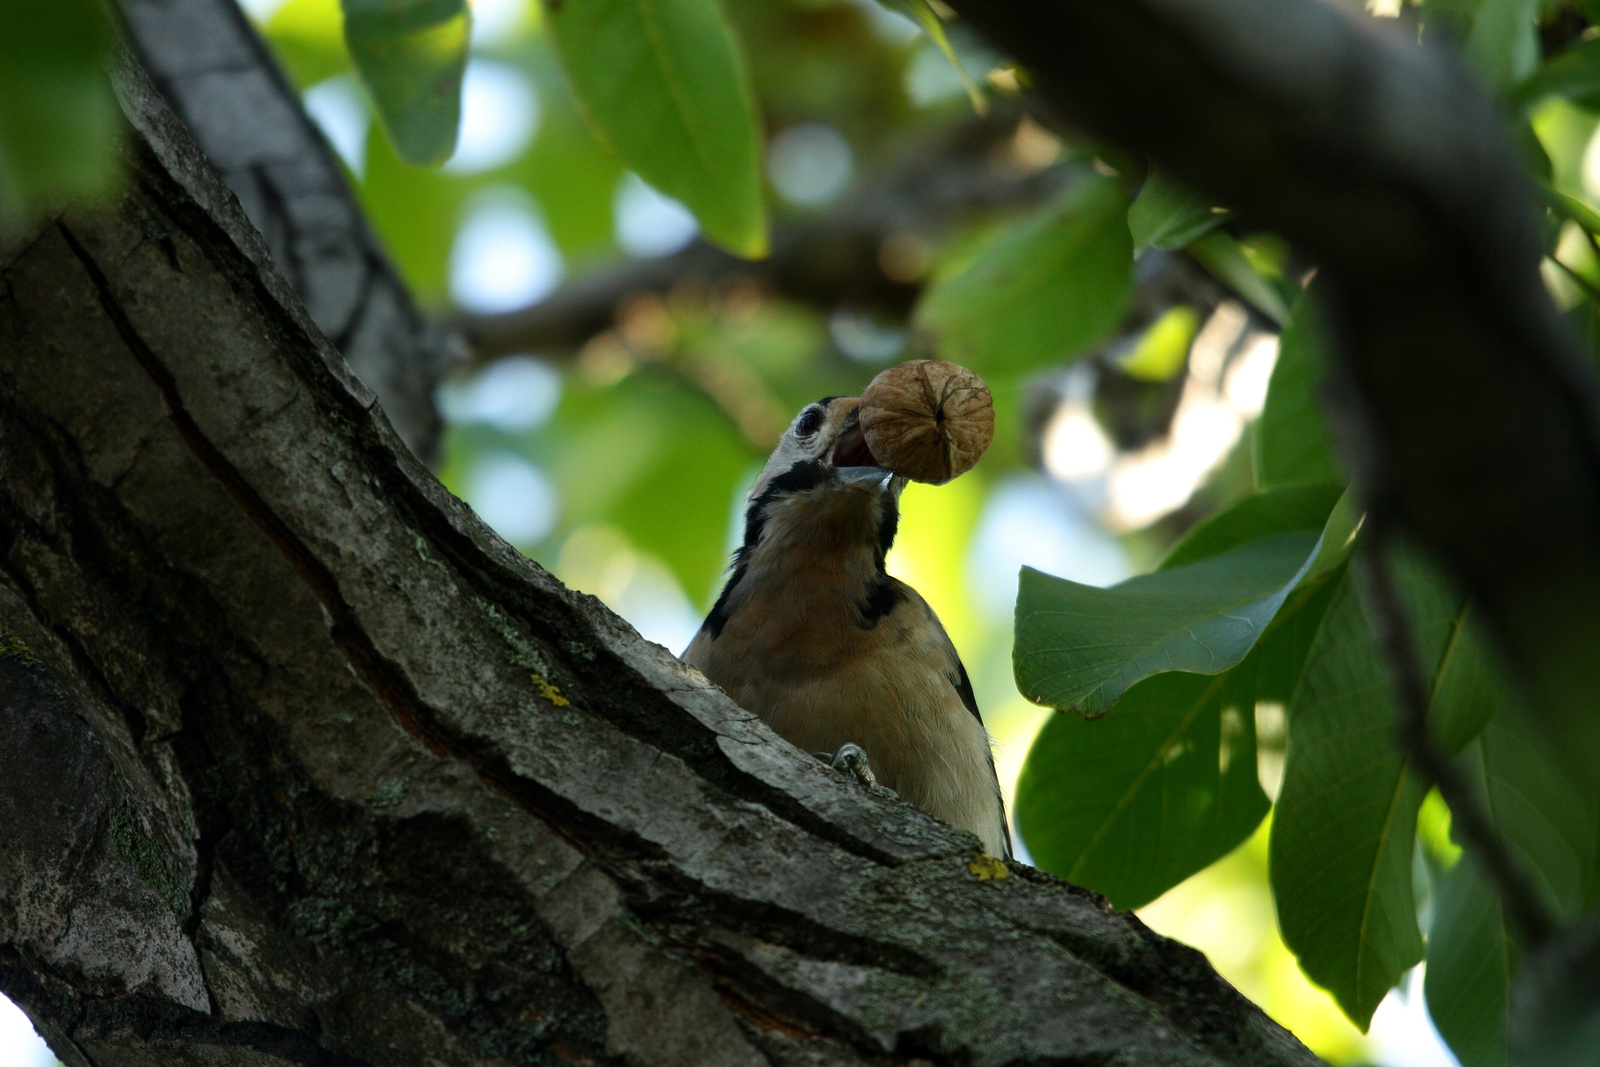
(322, 772)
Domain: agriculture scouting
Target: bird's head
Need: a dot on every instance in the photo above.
(823, 485)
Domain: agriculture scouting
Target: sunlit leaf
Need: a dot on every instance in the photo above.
(1291, 438)
(1044, 291)
(58, 119)
(1079, 647)
(308, 38)
(1162, 349)
(1345, 825)
(1551, 830)
(411, 55)
(663, 84)
(1169, 214)
(1221, 255)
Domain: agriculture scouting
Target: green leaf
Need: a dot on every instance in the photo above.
(1570, 207)
(58, 120)
(1345, 825)
(1079, 647)
(411, 55)
(1045, 291)
(1271, 511)
(663, 83)
(1573, 74)
(1163, 348)
(1504, 43)
(1221, 255)
(1168, 214)
(1551, 830)
(923, 13)
(1133, 803)
(1291, 437)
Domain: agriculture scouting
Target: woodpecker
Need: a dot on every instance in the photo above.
(812, 634)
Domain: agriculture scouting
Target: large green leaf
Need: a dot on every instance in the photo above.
(58, 120)
(1291, 437)
(411, 55)
(1168, 214)
(1079, 647)
(1272, 511)
(1343, 833)
(1042, 292)
(663, 83)
(1551, 829)
(1133, 803)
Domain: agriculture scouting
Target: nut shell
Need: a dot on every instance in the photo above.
(927, 419)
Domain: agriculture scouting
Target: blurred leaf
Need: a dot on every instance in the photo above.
(653, 457)
(411, 54)
(1573, 74)
(1220, 254)
(1079, 647)
(1164, 346)
(1131, 804)
(1291, 442)
(58, 120)
(1504, 43)
(572, 175)
(923, 14)
(1570, 207)
(308, 37)
(1272, 511)
(416, 211)
(1551, 829)
(1345, 824)
(1044, 291)
(663, 84)
(1168, 214)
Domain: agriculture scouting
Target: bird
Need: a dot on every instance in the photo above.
(811, 633)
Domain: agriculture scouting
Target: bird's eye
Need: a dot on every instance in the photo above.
(809, 423)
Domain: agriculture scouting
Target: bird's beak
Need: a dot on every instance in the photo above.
(853, 462)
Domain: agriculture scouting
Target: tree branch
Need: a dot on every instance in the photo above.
(828, 261)
(221, 79)
(402, 796)
(1463, 404)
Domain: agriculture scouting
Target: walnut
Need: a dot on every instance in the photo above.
(928, 420)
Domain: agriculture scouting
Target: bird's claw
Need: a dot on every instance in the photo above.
(850, 758)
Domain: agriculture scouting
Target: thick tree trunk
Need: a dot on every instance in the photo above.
(302, 765)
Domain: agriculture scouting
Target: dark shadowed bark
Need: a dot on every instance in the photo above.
(220, 78)
(302, 765)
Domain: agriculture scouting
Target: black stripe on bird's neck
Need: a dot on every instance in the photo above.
(806, 474)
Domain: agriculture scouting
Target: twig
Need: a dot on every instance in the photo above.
(1533, 921)
(832, 260)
